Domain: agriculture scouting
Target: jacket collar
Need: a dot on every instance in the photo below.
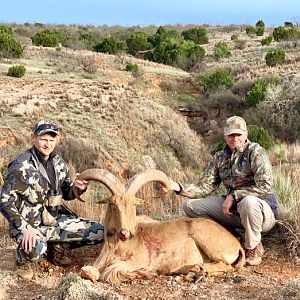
(229, 152)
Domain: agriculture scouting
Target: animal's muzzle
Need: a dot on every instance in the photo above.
(124, 235)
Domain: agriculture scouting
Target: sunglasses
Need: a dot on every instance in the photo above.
(52, 126)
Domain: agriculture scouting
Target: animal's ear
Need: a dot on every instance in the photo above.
(103, 201)
(139, 201)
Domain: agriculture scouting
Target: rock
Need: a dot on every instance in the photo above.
(72, 287)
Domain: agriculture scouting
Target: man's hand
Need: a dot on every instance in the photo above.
(81, 184)
(229, 201)
(29, 239)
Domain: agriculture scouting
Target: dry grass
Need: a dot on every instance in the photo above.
(111, 121)
(286, 182)
(290, 291)
(121, 118)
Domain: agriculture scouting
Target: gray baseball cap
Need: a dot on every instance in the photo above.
(235, 124)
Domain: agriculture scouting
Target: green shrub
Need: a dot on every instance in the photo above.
(258, 92)
(167, 52)
(293, 33)
(16, 71)
(280, 33)
(46, 38)
(216, 79)
(260, 28)
(267, 40)
(288, 24)
(5, 30)
(38, 24)
(275, 56)
(221, 50)
(138, 41)
(240, 44)
(260, 135)
(234, 37)
(286, 33)
(9, 47)
(195, 55)
(196, 34)
(162, 34)
(132, 67)
(110, 45)
(89, 39)
(251, 31)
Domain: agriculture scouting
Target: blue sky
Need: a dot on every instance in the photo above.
(143, 13)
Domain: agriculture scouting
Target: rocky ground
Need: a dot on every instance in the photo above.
(266, 281)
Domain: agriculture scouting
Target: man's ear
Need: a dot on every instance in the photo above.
(33, 136)
(57, 139)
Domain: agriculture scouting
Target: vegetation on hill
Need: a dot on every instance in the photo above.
(122, 111)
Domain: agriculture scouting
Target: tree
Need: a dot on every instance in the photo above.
(46, 38)
(137, 41)
(196, 34)
(162, 34)
(110, 45)
(9, 47)
(260, 28)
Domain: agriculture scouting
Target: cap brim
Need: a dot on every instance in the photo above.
(237, 131)
(47, 131)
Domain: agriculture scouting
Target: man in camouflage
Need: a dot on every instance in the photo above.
(246, 172)
(31, 200)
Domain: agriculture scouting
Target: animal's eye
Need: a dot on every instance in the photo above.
(110, 233)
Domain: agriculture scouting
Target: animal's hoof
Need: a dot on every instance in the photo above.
(90, 273)
(198, 277)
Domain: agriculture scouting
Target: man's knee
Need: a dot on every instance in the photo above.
(248, 204)
(35, 254)
(96, 232)
(195, 208)
(188, 208)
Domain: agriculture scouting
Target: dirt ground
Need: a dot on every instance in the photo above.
(263, 282)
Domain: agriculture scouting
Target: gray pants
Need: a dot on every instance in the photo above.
(253, 214)
(67, 229)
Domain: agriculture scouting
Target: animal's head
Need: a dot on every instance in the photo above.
(120, 219)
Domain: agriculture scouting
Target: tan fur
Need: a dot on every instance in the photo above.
(136, 249)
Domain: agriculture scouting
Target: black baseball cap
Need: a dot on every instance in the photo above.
(44, 126)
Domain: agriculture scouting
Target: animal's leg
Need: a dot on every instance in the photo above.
(142, 273)
(212, 253)
(216, 268)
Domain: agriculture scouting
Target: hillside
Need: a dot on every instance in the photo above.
(124, 122)
(121, 114)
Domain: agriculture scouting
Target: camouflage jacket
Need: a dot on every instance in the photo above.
(245, 171)
(25, 188)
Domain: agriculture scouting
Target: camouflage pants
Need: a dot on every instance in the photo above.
(67, 229)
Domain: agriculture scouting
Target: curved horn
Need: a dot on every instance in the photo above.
(147, 176)
(103, 176)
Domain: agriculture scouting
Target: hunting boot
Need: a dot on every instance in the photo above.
(57, 254)
(254, 256)
(24, 270)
